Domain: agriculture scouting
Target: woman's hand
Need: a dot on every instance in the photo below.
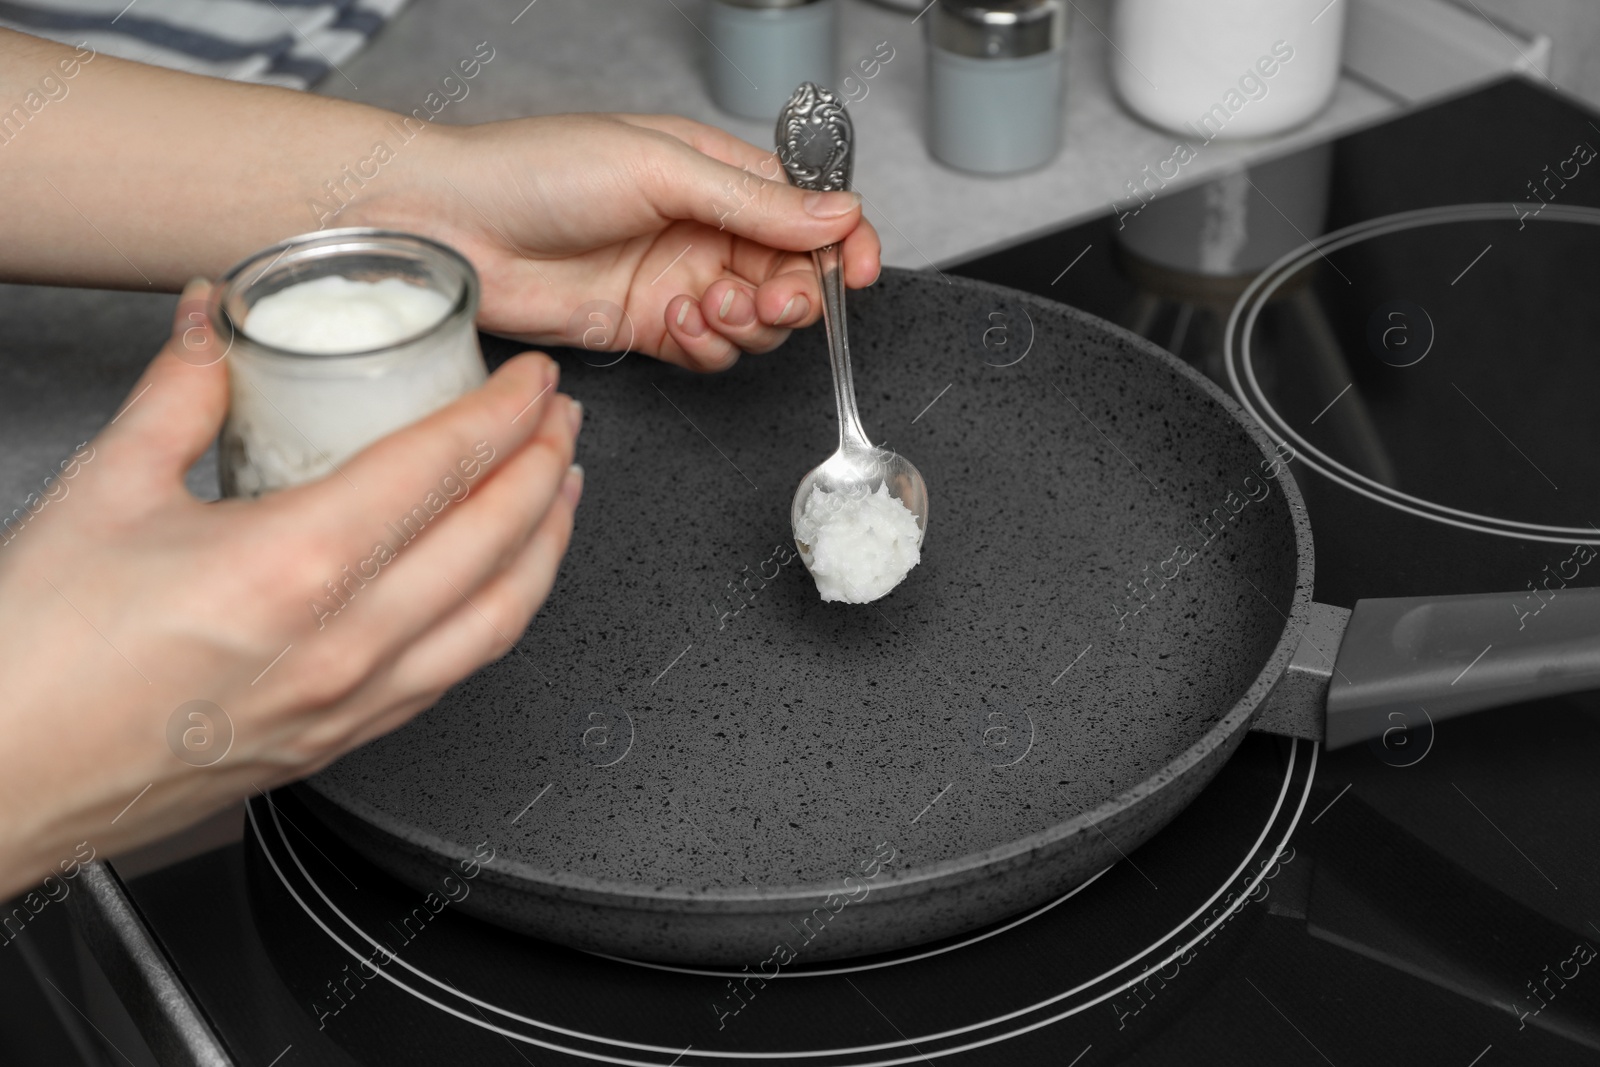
(695, 236)
(123, 599)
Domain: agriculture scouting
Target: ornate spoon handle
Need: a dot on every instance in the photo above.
(816, 143)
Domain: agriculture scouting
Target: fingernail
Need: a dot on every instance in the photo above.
(572, 484)
(683, 311)
(738, 309)
(575, 415)
(549, 369)
(830, 205)
(694, 323)
(193, 284)
(796, 309)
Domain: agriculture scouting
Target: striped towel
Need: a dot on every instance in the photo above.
(293, 43)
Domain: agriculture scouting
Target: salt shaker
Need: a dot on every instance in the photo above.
(761, 49)
(297, 413)
(996, 72)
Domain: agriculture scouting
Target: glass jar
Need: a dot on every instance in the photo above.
(295, 416)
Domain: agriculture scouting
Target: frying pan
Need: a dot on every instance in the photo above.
(690, 758)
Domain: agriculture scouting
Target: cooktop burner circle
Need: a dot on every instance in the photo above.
(324, 902)
(1400, 336)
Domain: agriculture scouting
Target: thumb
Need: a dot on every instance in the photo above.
(753, 202)
(176, 408)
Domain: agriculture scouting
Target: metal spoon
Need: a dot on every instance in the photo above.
(816, 143)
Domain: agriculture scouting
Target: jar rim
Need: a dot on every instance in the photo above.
(368, 238)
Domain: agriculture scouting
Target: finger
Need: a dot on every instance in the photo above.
(488, 624)
(397, 480)
(756, 262)
(791, 300)
(174, 411)
(482, 628)
(862, 247)
(752, 266)
(789, 293)
(862, 254)
(717, 143)
(691, 185)
(475, 539)
(691, 342)
(730, 306)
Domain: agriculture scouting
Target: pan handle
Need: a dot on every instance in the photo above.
(1456, 654)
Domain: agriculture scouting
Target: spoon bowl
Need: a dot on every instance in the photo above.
(851, 475)
(816, 143)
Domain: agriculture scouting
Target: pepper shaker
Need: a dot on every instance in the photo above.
(761, 49)
(996, 72)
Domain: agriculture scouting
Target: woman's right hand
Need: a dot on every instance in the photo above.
(123, 599)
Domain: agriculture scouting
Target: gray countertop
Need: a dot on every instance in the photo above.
(68, 358)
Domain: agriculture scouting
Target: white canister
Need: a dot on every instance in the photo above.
(996, 73)
(295, 416)
(759, 50)
(1226, 69)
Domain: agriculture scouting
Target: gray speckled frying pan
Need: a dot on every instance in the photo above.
(689, 757)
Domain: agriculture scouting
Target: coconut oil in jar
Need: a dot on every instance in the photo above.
(333, 340)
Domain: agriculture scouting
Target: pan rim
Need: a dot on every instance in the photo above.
(959, 870)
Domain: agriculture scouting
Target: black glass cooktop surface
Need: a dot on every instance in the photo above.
(1432, 897)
